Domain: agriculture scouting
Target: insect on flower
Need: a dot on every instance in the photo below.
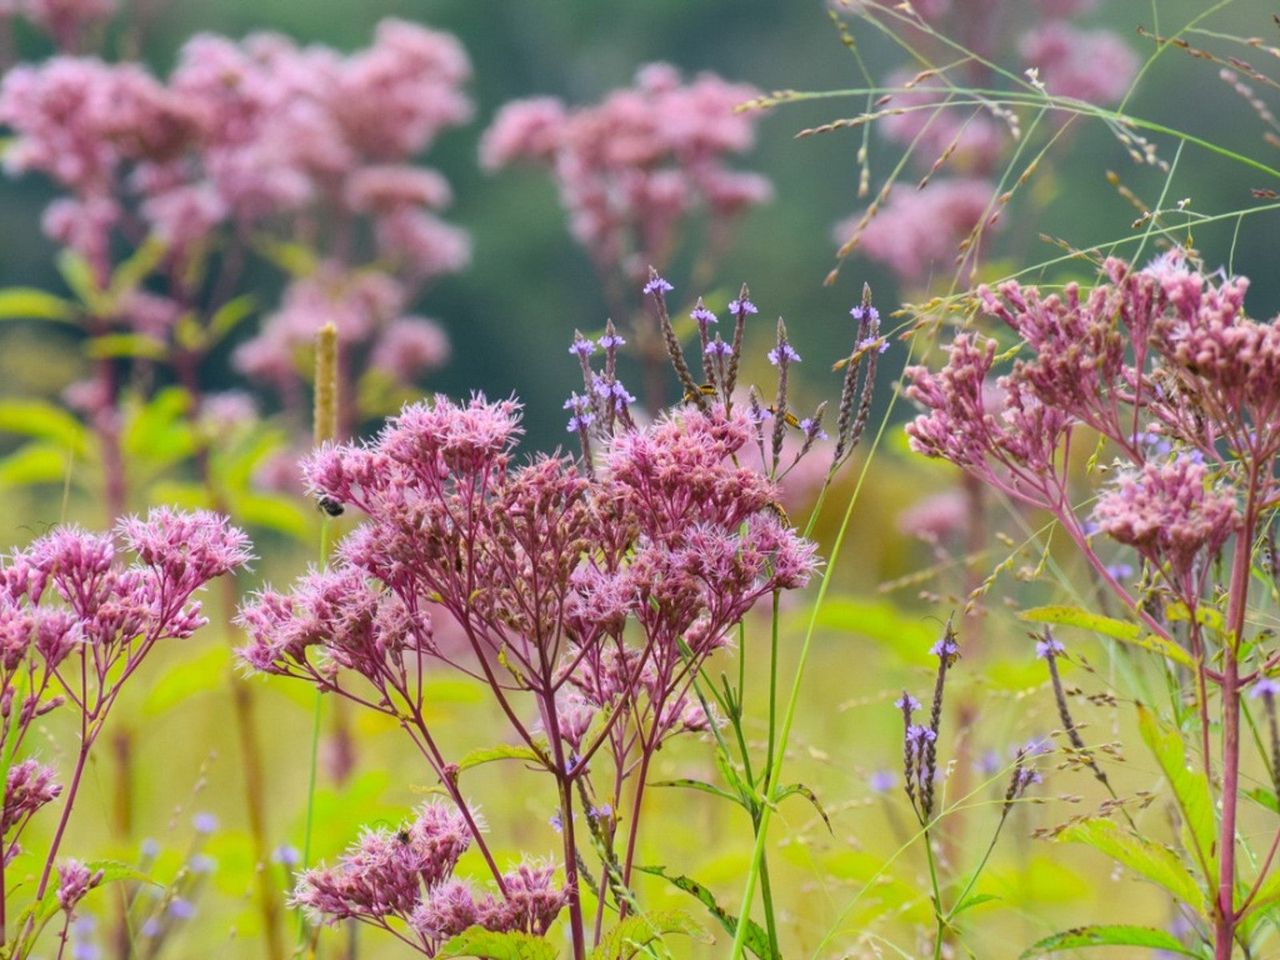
(330, 506)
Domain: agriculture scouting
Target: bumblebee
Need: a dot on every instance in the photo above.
(330, 506)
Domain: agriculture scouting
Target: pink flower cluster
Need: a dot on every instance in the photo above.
(917, 231)
(596, 594)
(1161, 361)
(1167, 511)
(365, 307)
(682, 542)
(66, 21)
(253, 135)
(77, 620)
(632, 168)
(407, 876)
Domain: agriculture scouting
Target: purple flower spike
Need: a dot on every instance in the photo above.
(783, 353)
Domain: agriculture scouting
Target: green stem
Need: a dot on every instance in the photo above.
(316, 723)
(766, 896)
(773, 683)
(937, 896)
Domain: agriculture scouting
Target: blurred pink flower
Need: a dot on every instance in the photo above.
(382, 189)
(936, 517)
(919, 231)
(630, 168)
(1092, 65)
(409, 347)
(975, 138)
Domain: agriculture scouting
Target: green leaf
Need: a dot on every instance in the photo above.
(1264, 798)
(1190, 789)
(1205, 616)
(877, 620)
(36, 418)
(136, 346)
(28, 303)
(32, 463)
(116, 870)
(78, 274)
(971, 901)
(1158, 864)
(138, 266)
(1114, 935)
(487, 945)
(750, 797)
(632, 935)
(236, 463)
(200, 673)
(756, 940)
(158, 432)
(690, 784)
(1120, 630)
(177, 493)
(799, 789)
(230, 315)
(1268, 896)
(503, 751)
(293, 258)
(274, 511)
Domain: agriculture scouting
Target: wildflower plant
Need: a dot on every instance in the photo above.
(79, 620)
(591, 593)
(635, 173)
(1165, 367)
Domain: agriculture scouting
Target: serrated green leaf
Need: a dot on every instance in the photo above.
(503, 751)
(1109, 627)
(1190, 790)
(487, 945)
(1158, 864)
(36, 418)
(28, 303)
(628, 938)
(1112, 935)
(136, 346)
(32, 463)
(756, 940)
